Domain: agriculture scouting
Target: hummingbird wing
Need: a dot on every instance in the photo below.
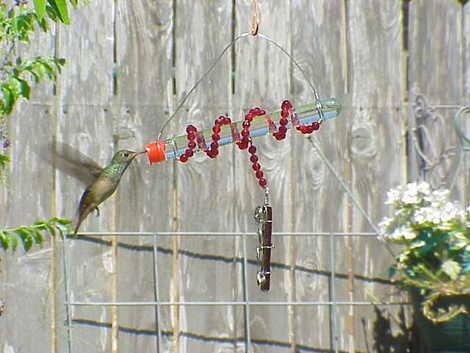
(74, 163)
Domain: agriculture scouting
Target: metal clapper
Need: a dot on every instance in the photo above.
(263, 216)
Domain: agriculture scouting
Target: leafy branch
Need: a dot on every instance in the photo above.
(34, 234)
(18, 20)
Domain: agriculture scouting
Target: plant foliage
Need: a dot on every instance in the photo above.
(34, 234)
(18, 20)
(435, 236)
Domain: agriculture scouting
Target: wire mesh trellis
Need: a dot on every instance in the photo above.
(246, 303)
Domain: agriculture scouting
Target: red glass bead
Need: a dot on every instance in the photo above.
(192, 144)
(188, 152)
(256, 166)
(283, 121)
(191, 135)
(279, 136)
(183, 158)
(214, 145)
(315, 125)
(286, 105)
(216, 129)
(245, 133)
(261, 112)
(227, 120)
(282, 129)
(284, 113)
(262, 182)
(215, 137)
(243, 144)
(246, 124)
(252, 149)
(249, 116)
(259, 174)
(254, 158)
(191, 128)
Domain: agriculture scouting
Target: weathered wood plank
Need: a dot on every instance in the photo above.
(436, 73)
(85, 90)
(205, 188)
(376, 141)
(144, 92)
(24, 278)
(466, 99)
(318, 201)
(263, 79)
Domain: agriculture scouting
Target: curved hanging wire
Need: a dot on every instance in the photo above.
(219, 57)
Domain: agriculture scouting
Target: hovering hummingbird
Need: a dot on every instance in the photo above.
(102, 182)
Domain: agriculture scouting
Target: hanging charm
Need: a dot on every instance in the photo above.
(263, 215)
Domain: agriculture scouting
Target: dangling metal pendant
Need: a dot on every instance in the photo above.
(263, 216)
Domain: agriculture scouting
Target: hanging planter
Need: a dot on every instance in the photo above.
(451, 335)
(433, 263)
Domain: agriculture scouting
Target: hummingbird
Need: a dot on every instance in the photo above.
(101, 182)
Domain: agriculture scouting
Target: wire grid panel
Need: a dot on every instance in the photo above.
(247, 302)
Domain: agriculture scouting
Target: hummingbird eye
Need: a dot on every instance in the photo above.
(126, 154)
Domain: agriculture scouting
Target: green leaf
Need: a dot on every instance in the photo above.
(13, 241)
(25, 237)
(61, 9)
(24, 87)
(4, 240)
(8, 99)
(40, 8)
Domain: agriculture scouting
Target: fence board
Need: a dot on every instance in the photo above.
(144, 92)
(24, 278)
(318, 200)
(436, 74)
(85, 91)
(262, 78)
(377, 149)
(204, 186)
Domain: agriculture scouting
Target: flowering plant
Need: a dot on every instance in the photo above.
(435, 235)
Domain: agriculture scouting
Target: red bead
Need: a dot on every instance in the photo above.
(254, 158)
(215, 137)
(191, 128)
(191, 135)
(315, 125)
(243, 144)
(253, 111)
(262, 182)
(192, 144)
(284, 113)
(246, 124)
(256, 166)
(214, 145)
(227, 120)
(282, 129)
(279, 136)
(220, 120)
(252, 149)
(286, 105)
(249, 116)
(283, 121)
(245, 133)
(261, 112)
(216, 129)
(188, 152)
(183, 158)
(259, 174)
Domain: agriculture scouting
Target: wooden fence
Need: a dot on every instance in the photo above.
(128, 64)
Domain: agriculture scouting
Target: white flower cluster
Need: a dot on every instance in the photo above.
(417, 206)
